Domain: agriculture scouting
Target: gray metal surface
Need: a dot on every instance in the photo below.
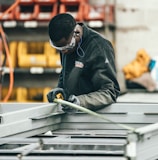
(29, 121)
(63, 147)
(143, 143)
(139, 97)
(79, 136)
(138, 145)
(9, 107)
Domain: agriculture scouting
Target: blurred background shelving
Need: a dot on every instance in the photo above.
(35, 64)
(129, 25)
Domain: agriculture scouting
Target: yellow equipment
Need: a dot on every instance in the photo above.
(138, 66)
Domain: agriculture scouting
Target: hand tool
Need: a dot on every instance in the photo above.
(83, 109)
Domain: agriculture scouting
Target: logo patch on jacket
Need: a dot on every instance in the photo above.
(79, 64)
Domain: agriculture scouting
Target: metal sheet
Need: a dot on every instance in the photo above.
(63, 147)
(139, 97)
(80, 136)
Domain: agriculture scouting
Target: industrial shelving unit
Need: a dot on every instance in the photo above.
(29, 22)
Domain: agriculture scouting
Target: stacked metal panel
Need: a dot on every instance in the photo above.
(43, 132)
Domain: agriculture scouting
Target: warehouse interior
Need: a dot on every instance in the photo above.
(32, 66)
(32, 129)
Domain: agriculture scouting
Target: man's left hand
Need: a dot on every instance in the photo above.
(72, 99)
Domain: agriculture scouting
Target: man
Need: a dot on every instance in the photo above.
(88, 76)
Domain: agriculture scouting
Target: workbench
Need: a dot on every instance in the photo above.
(41, 131)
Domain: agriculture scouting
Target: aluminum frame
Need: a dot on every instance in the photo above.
(78, 136)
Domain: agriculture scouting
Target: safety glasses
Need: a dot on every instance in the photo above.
(69, 46)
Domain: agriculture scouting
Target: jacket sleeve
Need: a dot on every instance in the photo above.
(106, 87)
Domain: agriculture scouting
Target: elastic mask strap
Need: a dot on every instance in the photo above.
(81, 53)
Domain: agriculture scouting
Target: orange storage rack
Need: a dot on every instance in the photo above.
(45, 1)
(110, 13)
(74, 7)
(46, 9)
(94, 12)
(8, 16)
(26, 10)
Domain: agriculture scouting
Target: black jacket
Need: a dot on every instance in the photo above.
(90, 73)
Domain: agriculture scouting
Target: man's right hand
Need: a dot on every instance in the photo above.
(56, 93)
